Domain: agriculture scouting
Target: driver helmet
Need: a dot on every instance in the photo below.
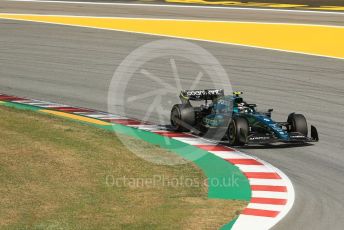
(241, 106)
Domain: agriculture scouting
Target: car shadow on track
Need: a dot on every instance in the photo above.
(279, 146)
(271, 146)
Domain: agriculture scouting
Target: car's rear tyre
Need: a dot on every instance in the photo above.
(182, 114)
(238, 131)
(298, 123)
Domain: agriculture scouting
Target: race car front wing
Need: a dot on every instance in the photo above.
(294, 137)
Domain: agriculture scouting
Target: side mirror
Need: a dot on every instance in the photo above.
(269, 112)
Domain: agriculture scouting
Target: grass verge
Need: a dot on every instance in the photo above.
(59, 174)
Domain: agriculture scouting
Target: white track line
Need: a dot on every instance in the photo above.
(272, 207)
(231, 155)
(181, 6)
(264, 194)
(193, 141)
(254, 181)
(176, 19)
(254, 168)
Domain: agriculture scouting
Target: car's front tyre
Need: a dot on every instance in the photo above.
(298, 123)
(238, 131)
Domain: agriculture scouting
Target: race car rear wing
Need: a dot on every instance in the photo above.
(199, 95)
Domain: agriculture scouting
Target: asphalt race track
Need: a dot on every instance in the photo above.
(75, 66)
